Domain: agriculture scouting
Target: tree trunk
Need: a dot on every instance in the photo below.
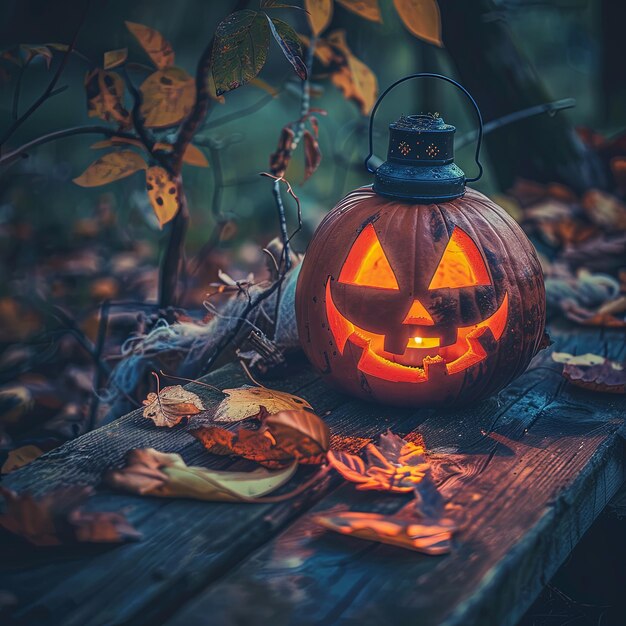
(502, 80)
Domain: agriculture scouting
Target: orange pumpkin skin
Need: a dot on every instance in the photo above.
(420, 305)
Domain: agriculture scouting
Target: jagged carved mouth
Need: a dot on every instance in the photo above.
(424, 358)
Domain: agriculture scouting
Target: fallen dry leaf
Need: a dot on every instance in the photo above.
(19, 457)
(248, 401)
(56, 519)
(423, 525)
(150, 472)
(281, 439)
(393, 465)
(433, 539)
(170, 405)
(593, 372)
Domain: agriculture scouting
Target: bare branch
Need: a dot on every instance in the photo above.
(20, 152)
(51, 85)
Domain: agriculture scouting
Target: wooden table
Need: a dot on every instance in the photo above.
(532, 467)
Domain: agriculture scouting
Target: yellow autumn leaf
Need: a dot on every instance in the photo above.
(113, 58)
(355, 79)
(152, 473)
(168, 96)
(422, 18)
(192, 155)
(168, 406)
(105, 96)
(19, 457)
(246, 401)
(368, 9)
(110, 167)
(319, 13)
(163, 194)
(156, 46)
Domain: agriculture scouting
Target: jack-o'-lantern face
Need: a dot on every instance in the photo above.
(424, 341)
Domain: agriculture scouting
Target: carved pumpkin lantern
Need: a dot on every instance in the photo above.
(417, 290)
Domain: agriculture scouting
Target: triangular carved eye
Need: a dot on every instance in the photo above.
(461, 265)
(367, 264)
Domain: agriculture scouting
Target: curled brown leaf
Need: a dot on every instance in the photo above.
(56, 518)
(281, 439)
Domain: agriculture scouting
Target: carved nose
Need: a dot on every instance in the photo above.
(418, 315)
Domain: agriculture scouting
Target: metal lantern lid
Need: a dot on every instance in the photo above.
(420, 158)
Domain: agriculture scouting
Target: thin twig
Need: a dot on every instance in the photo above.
(237, 115)
(190, 380)
(18, 88)
(51, 85)
(16, 154)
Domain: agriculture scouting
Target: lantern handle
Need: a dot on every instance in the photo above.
(448, 80)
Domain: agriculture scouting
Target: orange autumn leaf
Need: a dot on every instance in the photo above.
(368, 9)
(422, 18)
(433, 539)
(593, 372)
(393, 465)
(156, 46)
(111, 167)
(319, 13)
(281, 439)
(355, 79)
(56, 518)
(168, 97)
(163, 194)
(19, 457)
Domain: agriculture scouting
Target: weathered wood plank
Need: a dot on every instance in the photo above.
(529, 487)
(188, 545)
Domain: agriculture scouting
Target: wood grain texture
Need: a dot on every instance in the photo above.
(529, 484)
(530, 490)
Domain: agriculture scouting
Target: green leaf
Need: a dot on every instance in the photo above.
(241, 44)
(289, 43)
